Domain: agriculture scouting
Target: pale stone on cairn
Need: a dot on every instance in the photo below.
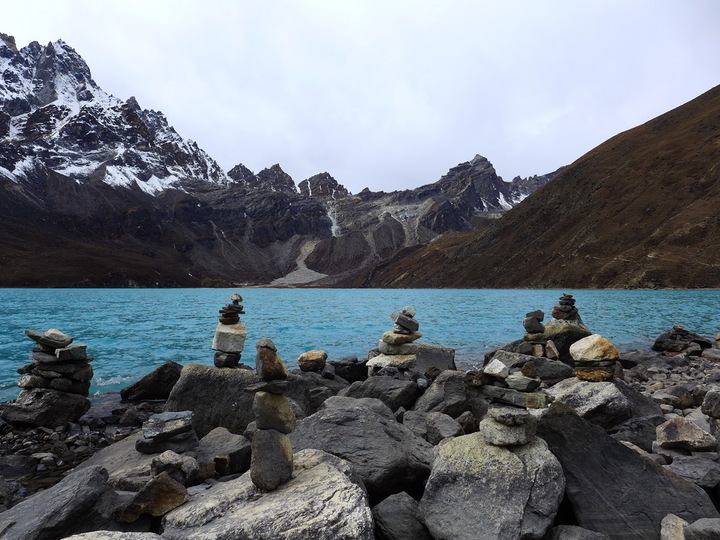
(593, 348)
(229, 337)
(400, 361)
(498, 434)
(496, 368)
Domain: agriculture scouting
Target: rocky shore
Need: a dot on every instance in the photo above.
(557, 436)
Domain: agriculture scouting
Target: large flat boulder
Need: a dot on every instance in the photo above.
(395, 393)
(44, 407)
(323, 500)
(478, 490)
(81, 502)
(121, 460)
(216, 396)
(447, 394)
(388, 456)
(613, 489)
(155, 385)
(608, 403)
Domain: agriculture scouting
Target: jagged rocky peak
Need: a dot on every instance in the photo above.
(275, 179)
(240, 174)
(55, 118)
(522, 187)
(7, 42)
(478, 184)
(323, 186)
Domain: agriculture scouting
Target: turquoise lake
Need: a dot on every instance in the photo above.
(132, 331)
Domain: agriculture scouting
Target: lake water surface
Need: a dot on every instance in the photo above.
(132, 331)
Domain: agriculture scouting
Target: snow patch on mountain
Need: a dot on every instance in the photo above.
(61, 120)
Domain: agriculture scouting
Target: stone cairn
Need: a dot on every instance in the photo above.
(503, 381)
(55, 384)
(167, 431)
(508, 426)
(535, 336)
(272, 457)
(595, 358)
(230, 334)
(396, 346)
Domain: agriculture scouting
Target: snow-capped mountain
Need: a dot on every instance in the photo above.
(97, 191)
(54, 117)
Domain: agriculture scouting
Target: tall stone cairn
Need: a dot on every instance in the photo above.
(397, 347)
(55, 384)
(272, 458)
(230, 334)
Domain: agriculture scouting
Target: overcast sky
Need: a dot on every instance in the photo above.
(390, 94)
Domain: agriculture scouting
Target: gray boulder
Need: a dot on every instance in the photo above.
(608, 484)
(428, 355)
(217, 397)
(228, 453)
(155, 385)
(394, 393)
(81, 502)
(441, 426)
(477, 490)
(44, 407)
(447, 394)
(323, 500)
(549, 371)
(122, 461)
(396, 518)
(387, 455)
(607, 404)
(699, 470)
(343, 402)
(573, 532)
(114, 535)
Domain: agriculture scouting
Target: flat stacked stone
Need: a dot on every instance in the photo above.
(55, 384)
(167, 431)
(508, 426)
(502, 381)
(535, 331)
(595, 358)
(397, 348)
(272, 458)
(230, 334)
(565, 308)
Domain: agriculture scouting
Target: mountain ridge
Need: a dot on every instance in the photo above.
(638, 211)
(134, 203)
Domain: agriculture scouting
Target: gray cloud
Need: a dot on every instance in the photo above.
(390, 94)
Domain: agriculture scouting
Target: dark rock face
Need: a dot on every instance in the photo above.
(387, 456)
(45, 407)
(323, 186)
(274, 179)
(678, 339)
(81, 502)
(114, 183)
(608, 486)
(396, 518)
(579, 221)
(155, 385)
(393, 392)
(224, 388)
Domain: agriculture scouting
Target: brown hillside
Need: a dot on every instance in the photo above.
(640, 210)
